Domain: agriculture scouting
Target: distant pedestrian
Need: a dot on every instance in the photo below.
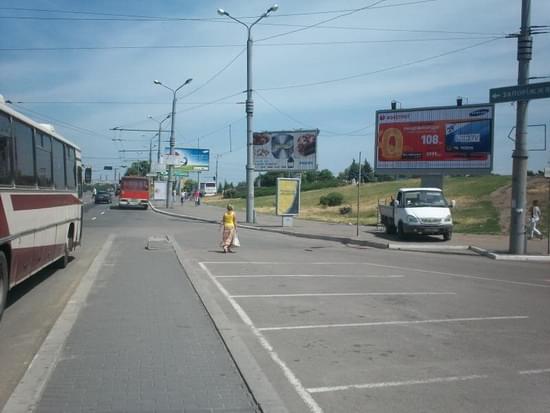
(182, 197)
(229, 228)
(197, 196)
(534, 220)
(94, 193)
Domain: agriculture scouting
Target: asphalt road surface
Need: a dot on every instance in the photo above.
(334, 328)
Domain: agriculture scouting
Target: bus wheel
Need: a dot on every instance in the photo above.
(64, 260)
(4, 284)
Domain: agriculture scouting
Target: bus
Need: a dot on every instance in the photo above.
(134, 192)
(40, 198)
(208, 188)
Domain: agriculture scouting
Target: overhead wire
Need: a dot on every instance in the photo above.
(386, 69)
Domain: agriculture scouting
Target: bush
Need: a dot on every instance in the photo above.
(345, 210)
(332, 199)
(230, 193)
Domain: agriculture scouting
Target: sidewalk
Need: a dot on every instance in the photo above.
(493, 246)
(135, 337)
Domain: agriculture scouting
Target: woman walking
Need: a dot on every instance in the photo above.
(229, 226)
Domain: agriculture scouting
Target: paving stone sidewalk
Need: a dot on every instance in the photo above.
(144, 343)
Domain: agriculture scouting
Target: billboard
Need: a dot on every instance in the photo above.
(187, 160)
(285, 150)
(456, 139)
(288, 196)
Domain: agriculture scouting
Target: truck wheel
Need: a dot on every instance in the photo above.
(400, 232)
(448, 235)
(4, 283)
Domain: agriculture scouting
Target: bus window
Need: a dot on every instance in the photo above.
(44, 159)
(58, 157)
(5, 150)
(70, 163)
(24, 155)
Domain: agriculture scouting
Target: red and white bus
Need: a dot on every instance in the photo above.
(40, 191)
(134, 192)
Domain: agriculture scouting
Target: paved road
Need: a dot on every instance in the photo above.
(313, 325)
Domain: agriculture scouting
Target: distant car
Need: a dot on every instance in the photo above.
(103, 197)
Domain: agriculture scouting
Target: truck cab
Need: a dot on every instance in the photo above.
(422, 211)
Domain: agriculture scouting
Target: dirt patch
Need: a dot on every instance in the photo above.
(537, 188)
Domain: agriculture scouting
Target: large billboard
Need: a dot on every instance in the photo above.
(187, 160)
(285, 150)
(439, 140)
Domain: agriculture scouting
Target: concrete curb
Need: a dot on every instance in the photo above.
(377, 244)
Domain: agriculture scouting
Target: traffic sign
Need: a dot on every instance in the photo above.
(524, 92)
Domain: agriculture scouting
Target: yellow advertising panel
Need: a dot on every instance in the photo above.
(288, 196)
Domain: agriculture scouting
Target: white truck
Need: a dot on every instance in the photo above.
(418, 211)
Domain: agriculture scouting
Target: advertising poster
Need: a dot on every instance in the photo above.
(187, 160)
(435, 140)
(285, 150)
(160, 191)
(288, 196)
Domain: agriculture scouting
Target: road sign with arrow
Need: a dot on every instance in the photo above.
(524, 92)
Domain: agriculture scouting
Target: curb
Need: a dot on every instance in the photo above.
(376, 244)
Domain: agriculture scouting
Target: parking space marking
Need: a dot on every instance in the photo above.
(309, 275)
(530, 372)
(289, 374)
(397, 383)
(337, 294)
(395, 267)
(393, 323)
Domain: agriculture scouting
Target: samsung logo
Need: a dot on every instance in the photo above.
(479, 112)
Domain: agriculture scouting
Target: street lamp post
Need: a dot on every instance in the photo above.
(159, 132)
(172, 137)
(249, 108)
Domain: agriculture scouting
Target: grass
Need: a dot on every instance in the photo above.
(475, 212)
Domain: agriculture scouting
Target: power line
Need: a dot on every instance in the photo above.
(323, 21)
(386, 69)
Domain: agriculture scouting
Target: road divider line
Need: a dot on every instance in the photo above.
(531, 372)
(29, 390)
(94, 218)
(393, 323)
(282, 263)
(380, 385)
(308, 276)
(102, 212)
(289, 374)
(338, 294)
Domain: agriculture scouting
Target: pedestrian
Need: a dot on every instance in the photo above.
(534, 220)
(229, 228)
(182, 197)
(94, 193)
(197, 196)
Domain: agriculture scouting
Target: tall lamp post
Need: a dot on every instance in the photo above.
(172, 137)
(249, 108)
(160, 131)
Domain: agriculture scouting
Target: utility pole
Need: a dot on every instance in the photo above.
(520, 154)
(217, 158)
(358, 186)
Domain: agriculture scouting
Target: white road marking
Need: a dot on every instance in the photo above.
(94, 218)
(393, 323)
(395, 267)
(102, 212)
(28, 392)
(337, 294)
(309, 275)
(291, 377)
(528, 372)
(396, 383)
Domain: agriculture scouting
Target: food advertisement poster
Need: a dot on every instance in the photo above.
(288, 196)
(285, 150)
(187, 160)
(435, 140)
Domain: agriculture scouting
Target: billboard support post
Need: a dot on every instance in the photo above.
(520, 154)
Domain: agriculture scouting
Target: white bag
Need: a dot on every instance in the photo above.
(236, 242)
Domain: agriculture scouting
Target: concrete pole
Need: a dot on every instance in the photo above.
(520, 154)
(250, 148)
(172, 146)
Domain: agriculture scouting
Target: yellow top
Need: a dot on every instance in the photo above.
(229, 220)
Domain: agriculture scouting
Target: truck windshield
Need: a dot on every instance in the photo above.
(424, 199)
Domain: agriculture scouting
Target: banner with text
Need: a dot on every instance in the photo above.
(288, 196)
(456, 139)
(187, 160)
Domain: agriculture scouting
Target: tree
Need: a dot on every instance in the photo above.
(138, 168)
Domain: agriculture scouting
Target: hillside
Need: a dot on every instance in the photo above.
(483, 202)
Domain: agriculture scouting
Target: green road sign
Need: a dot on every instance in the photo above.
(525, 92)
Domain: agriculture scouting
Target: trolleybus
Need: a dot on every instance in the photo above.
(40, 198)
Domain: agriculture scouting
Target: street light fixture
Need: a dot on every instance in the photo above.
(249, 109)
(172, 138)
(159, 132)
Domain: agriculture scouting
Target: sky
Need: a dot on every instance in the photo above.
(88, 67)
